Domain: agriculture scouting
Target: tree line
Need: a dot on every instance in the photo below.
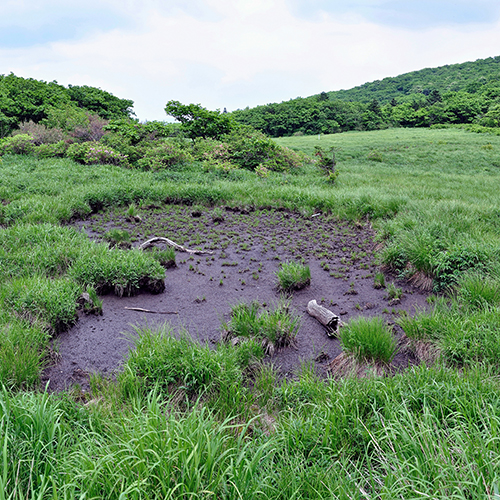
(26, 99)
(321, 115)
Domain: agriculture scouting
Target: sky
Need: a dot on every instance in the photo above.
(237, 53)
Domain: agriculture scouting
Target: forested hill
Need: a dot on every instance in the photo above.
(27, 99)
(468, 76)
(467, 93)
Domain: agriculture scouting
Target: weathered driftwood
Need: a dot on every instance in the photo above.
(140, 309)
(157, 239)
(325, 317)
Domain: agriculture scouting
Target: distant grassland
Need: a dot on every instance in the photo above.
(434, 192)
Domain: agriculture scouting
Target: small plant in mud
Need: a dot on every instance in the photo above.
(276, 328)
(132, 215)
(368, 339)
(217, 215)
(196, 211)
(118, 237)
(293, 276)
(379, 281)
(393, 292)
(90, 302)
(165, 257)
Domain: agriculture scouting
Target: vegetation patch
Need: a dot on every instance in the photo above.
(274, 329)
(368, 340)
(293, 276)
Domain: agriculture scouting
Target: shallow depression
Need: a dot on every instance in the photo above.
(248, 248)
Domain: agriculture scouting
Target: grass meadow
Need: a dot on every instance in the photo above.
(185, 421)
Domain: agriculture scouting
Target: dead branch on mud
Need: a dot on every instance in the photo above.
(329, 320)
(156, 239)
(140, 309)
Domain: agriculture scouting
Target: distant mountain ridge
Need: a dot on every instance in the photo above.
(468, 76)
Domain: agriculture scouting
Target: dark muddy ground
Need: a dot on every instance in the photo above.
(248, 247)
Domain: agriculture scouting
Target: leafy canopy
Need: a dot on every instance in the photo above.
(197, 121)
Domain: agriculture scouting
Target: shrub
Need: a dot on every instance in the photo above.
(21, 144)
(249, 148)
(123, 146)
(78, 152)
(40, 133)
(97, 153)
(293, 276)
(163, 156)
(91, 130)
(66, 117)
(134, 132)
(368, 340)
(57, 150)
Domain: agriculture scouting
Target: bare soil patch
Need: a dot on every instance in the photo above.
(249, 246)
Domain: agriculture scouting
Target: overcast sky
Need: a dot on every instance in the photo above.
(237, 53)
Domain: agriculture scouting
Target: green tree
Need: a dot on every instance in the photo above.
(197, 121)
(99, 101)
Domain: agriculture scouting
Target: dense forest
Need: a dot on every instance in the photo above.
(467, 93)
(27, 99)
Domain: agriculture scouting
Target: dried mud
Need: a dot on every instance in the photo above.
(248, 247)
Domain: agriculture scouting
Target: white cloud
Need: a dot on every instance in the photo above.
(241, 52)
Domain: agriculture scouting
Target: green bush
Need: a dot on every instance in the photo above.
(55, 150)
(78, 152)
(163, 155)
(249, 149)
(104, 155)
(21, 144)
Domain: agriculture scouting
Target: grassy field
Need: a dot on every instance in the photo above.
(184, 421)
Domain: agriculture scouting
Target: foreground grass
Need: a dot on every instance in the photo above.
(426, 434)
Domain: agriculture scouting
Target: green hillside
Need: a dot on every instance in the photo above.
(458, 94)
(468, 76)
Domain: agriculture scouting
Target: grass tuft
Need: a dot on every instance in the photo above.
(293, 276)
(274, 329)
(368, 340)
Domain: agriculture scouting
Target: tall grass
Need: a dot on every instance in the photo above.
(434, 432)
(368, 339)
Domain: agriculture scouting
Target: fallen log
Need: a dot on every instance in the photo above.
(328, 319)
(157, 239)
(140, 309)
